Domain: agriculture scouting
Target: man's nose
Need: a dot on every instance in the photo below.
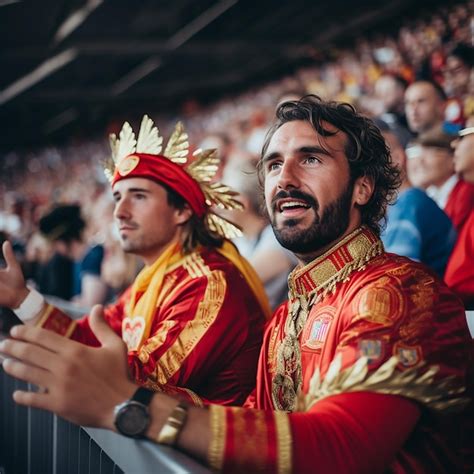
(121, 210)
(288, 177)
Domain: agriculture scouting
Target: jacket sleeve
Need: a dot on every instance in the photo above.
(346, 433)
(79, 330)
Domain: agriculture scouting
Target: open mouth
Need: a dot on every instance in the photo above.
(292, 206)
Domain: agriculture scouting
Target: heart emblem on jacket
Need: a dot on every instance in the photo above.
(132, 331)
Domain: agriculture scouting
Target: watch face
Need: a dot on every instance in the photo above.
(132, 419)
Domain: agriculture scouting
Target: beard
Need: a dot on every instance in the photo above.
(325, 228)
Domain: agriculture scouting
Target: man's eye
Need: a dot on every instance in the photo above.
(311, 160)
(140, 196)
(274, 166)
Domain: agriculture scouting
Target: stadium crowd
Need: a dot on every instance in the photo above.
(360, 332)
(373, 75)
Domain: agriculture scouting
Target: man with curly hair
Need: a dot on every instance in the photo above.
(357, 370)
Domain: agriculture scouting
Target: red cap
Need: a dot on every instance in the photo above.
(160, 169)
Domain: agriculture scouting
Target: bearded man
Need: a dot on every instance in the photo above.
(363, 370)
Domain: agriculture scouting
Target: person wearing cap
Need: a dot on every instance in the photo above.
(193, 318)
(364, 369)
(430, 166)
(460, 270)
(410, 231)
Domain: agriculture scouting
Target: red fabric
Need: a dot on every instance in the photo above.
(460, 204)
(251, 441)
(164, 171)
(352, 433)
(392, 307)
(459, 274)
(221, 367)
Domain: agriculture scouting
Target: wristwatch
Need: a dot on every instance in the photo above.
(132, 418)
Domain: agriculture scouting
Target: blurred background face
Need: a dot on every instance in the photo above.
(457, 76)
(423, 107)
(464, 154)
(429, 166)
(390, 93)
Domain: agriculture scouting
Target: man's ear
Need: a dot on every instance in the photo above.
(363, 190)
(183, 215)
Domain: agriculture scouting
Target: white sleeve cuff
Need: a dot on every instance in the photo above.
(31, 306)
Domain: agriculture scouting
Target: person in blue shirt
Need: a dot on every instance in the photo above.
(416, 227)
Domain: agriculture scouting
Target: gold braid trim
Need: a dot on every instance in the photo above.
(194, 397)
(284, 442)
(218, 426)
(325, 276)
(438, 395)
(47, 310)
(329, 286)
(321, 277)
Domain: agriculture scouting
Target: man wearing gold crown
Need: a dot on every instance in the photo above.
(193, 318)
(364, 369)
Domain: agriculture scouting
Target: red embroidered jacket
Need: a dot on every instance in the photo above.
(367, 337)
(205, 336)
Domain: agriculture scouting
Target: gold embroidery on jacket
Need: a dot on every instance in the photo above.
(284, 442)
(194, 330)
(218, 425)
(380, 303)
(307, 286)
(155, 341)
(417, 383)
(169, 284)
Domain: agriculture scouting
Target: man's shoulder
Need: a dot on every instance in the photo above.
(201, 263)
(401, 270)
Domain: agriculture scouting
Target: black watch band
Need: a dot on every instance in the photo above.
(143, 395)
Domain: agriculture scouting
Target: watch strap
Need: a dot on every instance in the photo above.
(143, 395)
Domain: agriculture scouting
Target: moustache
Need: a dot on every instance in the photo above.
(295, 194)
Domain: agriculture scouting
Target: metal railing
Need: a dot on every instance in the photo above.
(37, 442)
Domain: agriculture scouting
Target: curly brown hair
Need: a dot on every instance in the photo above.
(366, 150)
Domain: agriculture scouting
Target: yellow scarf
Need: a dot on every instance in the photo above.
(136, 328)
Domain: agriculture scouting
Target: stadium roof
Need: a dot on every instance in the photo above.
(78, 63)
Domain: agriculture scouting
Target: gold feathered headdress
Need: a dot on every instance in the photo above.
(190, 178)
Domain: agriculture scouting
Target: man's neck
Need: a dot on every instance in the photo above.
(306, 258)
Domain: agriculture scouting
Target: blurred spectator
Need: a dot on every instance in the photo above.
(258, 244)
(458, 71)
(459, 83)
(223, 144)
(460, 270)
(424, 46)
(434, 156)
(74, 261)
(430, 164)
(424, 106)
(410, 231)
(390, 92)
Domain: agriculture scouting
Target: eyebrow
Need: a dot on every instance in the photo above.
(303, 150)
(132, 190)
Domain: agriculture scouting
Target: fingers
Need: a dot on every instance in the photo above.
(26, 372)
(9, 256)
(28, 353)
(32, 399)
(103, 332)
(42, 338)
